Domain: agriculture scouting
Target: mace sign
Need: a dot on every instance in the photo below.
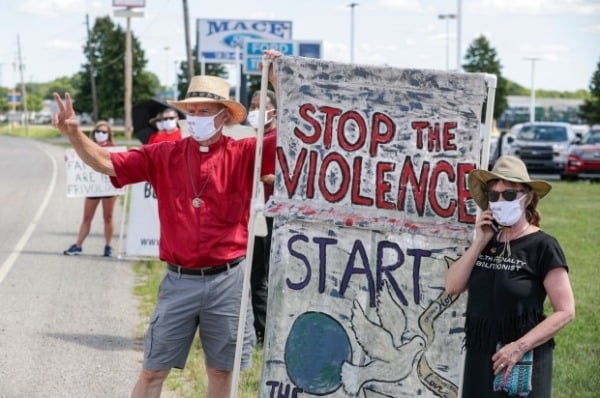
(370, 208)
(218, 39)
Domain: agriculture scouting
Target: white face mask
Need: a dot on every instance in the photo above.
(253, 118)
(202, 128)
(169, 124)
(507, 213)
(160, 125)
(100, 136)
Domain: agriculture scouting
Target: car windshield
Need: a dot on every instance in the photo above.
(593, 137)
(543, 133)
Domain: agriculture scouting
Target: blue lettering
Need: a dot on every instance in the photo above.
(214, 27)
(300, 285)
(358, 264)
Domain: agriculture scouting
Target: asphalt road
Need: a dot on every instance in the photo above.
(67, 324)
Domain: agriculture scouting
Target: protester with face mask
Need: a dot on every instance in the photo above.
(259, 279)
(203, 184)
(102, 136)
(509, 269)
(168, 129)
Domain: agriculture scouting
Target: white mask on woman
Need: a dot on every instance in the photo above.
(507, 213)
(202, 128)
(100, 136)
(253, 118)
(169, 124)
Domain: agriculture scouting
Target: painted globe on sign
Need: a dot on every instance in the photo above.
(315, 350)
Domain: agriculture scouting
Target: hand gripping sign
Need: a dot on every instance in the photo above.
(370, 206)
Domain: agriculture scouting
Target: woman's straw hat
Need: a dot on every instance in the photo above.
(211, 89)
(508, 168)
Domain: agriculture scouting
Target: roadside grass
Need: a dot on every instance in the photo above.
(34, 131)
(191, 381)
(571, 213)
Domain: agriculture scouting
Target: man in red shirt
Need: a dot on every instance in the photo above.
(203, 184)
(170, 130)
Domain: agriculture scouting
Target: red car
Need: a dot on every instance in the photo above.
(584, 157)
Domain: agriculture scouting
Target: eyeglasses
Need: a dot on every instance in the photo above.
(168, 118)
(100, 131)
(508, 195)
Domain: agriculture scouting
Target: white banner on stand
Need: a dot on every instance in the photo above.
(143, 227)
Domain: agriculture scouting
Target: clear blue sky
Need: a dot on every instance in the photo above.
(565, 34)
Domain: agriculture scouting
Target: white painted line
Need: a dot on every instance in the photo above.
(12, 258)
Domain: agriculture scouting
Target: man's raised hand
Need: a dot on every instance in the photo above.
(65, 119)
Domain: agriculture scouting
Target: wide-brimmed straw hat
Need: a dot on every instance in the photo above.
(508, 168)
(211, 89)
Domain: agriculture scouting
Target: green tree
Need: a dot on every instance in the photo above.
(35, 103)
(106, 49)
(60, 85)
(482, 57)
(3, 99)
(590, 110)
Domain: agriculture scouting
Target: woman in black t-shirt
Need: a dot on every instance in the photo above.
(508, 270)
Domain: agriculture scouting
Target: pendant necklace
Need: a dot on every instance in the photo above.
(196, 201)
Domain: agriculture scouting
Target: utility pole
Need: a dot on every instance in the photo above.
(92, 61)
(24, 91)
(447, 18)
(188, 47)
(128, 13)
(459, 18)
(532, 94)
(352, 6)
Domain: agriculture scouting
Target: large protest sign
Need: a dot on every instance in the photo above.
(371, 206)
(83, 181)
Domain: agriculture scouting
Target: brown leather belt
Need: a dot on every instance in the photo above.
(206, 271)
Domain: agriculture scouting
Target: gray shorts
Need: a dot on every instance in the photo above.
(210, 304)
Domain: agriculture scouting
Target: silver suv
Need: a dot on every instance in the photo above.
(543, 146)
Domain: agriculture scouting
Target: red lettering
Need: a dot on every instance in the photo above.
(362, 131)
(377, 137)
(449, 136)
(356, 176)
(291, 181)
(433, 138)
(304, 114)
(343, 179)
(310, 178)
(419, 126)
(441, 167)
(330, 114)
(419, 187)
(383, 186)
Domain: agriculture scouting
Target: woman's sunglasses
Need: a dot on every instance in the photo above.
(508, 195)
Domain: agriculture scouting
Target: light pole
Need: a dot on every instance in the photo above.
(459, 17)
(532, 98)
(447, 17)
(352, 5)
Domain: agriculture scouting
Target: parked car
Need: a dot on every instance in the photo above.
(584, 157)
(543, 146)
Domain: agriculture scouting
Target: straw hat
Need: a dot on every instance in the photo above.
(211, 89)
(507, 168)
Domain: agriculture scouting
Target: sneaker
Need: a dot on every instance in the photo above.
(107, 251)
(73, 250)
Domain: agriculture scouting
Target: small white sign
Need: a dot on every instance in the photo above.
(85, 182)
